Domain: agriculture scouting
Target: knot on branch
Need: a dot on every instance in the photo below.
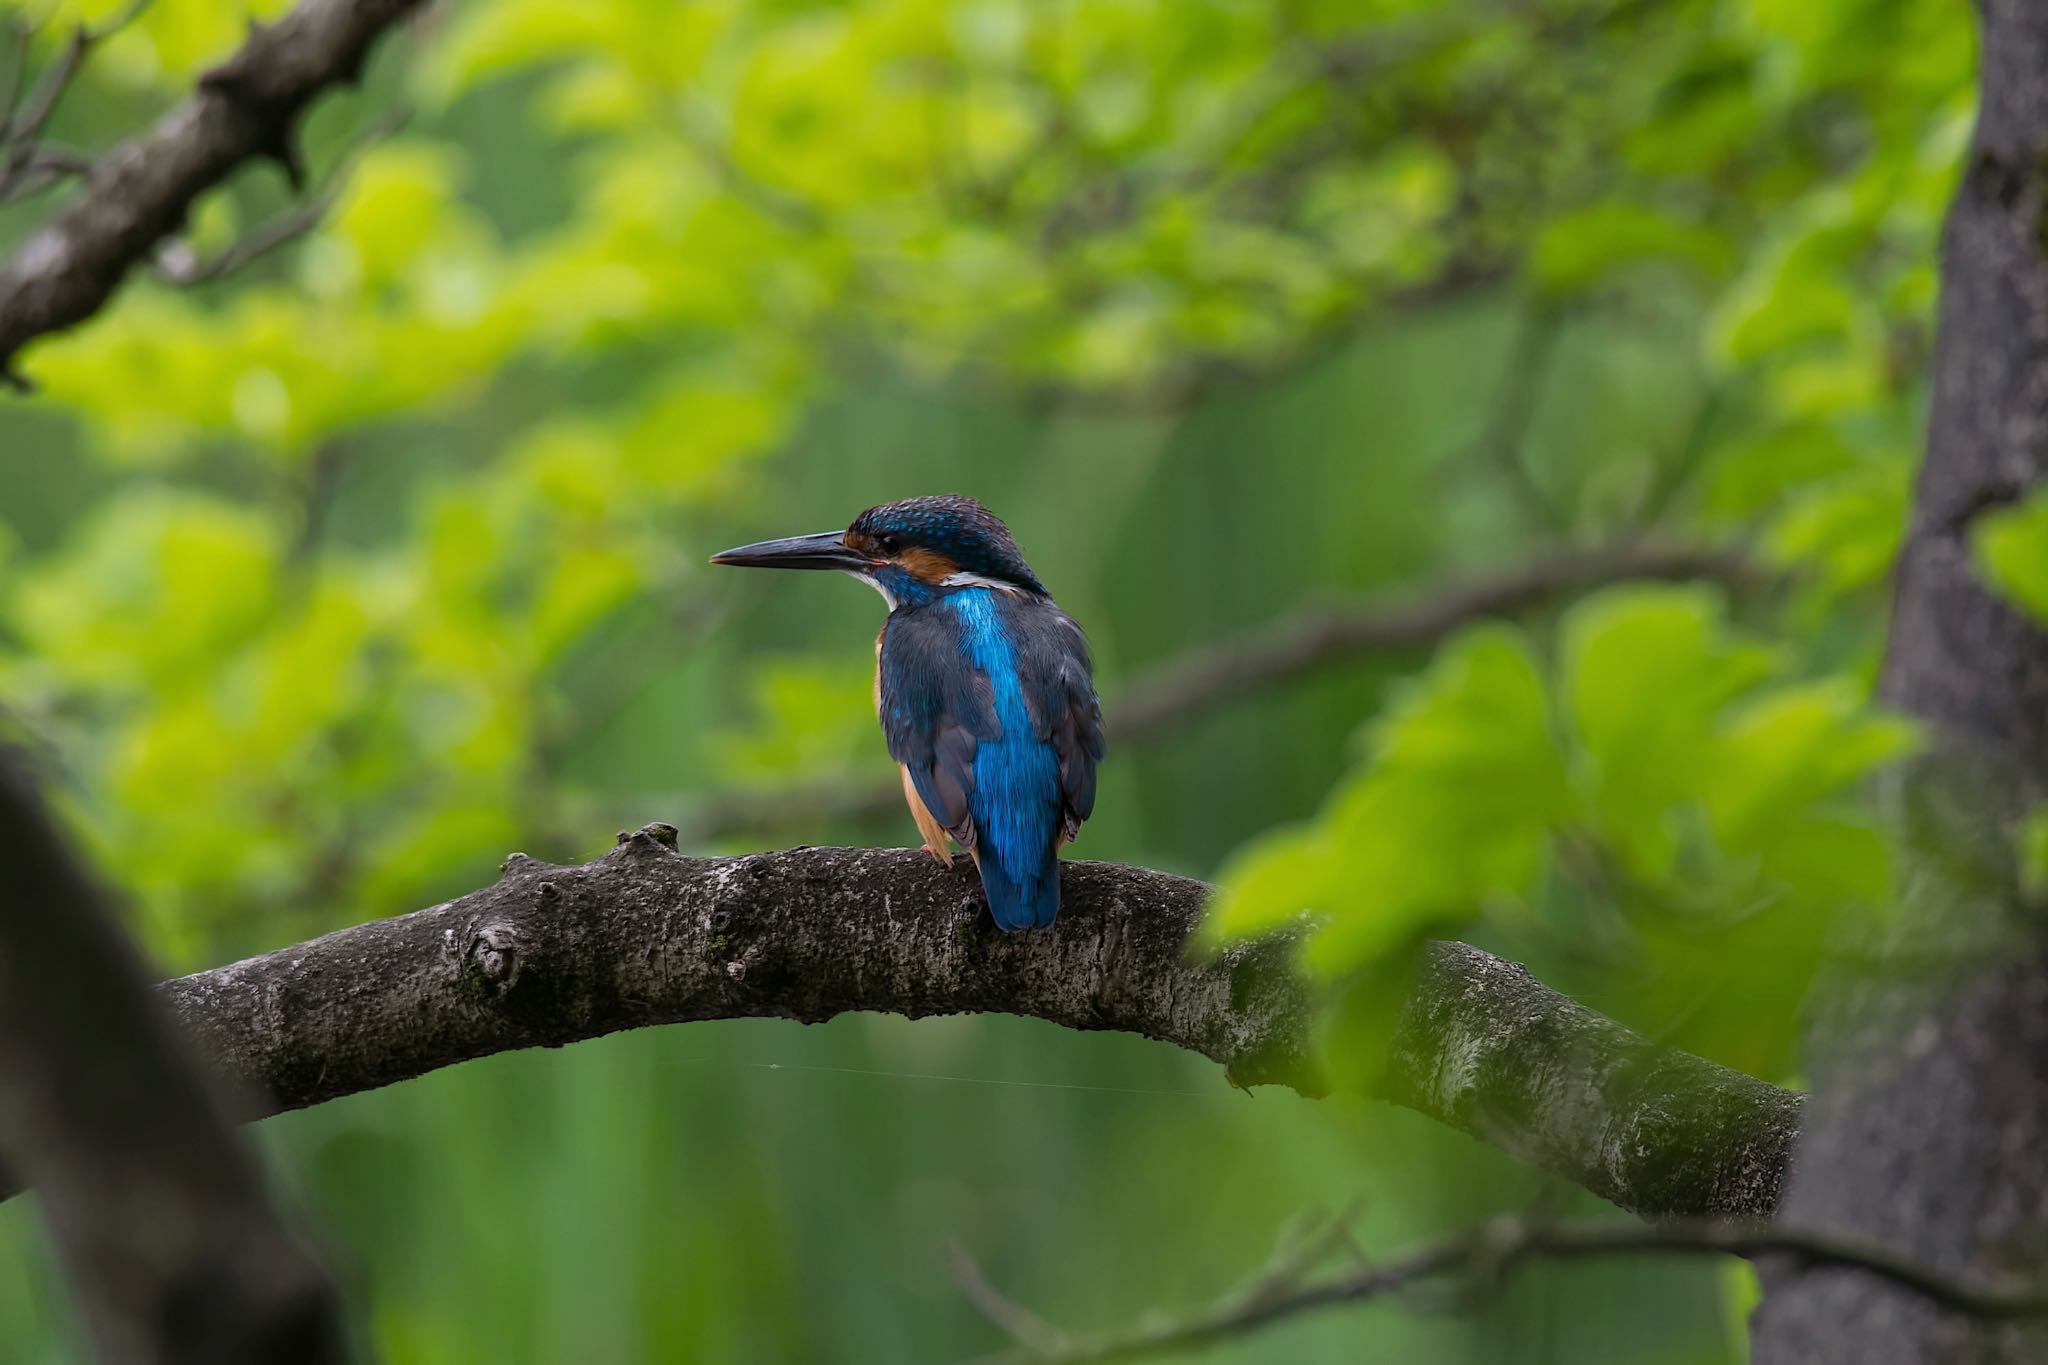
(488, 962)
(657, 840)
(717, 933)
(270, 113)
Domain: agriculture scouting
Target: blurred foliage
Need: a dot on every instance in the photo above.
(2012, 549)
(1668, 794)
(328, 583)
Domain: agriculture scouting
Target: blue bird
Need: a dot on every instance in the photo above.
(984, 688)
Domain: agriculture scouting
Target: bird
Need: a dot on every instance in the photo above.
(983, 685)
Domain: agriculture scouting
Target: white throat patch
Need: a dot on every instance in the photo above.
(875, 583)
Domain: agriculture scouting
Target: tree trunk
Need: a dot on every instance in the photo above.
(1930, 1055)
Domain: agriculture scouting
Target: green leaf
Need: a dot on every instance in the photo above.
(1451, 811)
(2011, 547)
(1281, 875)
(1646, 673)
(1845, 531)
(1578, 249)
(1788, 750)
(1779, 309)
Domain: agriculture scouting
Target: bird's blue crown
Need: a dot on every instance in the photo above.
(938, 536)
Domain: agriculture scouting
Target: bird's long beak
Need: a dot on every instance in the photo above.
(825, 550)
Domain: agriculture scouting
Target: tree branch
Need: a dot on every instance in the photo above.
(139, 193)
(1167, 696)
(1485, 1047)
(158, 1210)
(643, 935)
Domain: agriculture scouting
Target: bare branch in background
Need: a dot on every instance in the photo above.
(1038, 1337)
(27, 165)
(1169, 695)
(157, 1206)
(140, 192)
(643, 935)
(1481, 1260)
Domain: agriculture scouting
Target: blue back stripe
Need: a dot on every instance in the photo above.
(1016, 797)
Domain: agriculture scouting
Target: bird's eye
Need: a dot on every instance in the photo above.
(887, 543)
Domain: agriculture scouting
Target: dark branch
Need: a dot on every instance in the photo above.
(157, 1208)
(139, 193)
(1163, 698)
(641, 936)
(1308, 641)
(1484, 1258)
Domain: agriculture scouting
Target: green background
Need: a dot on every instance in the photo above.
(325, 586)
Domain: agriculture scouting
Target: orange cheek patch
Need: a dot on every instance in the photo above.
(929, 565)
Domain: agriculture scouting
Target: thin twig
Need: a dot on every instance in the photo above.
(1498, 1248)
(25, 167)
(1017, 1322)
(38, 168)
(19, 34)
(1504, 440)
(1327, 1234)
(25, 122)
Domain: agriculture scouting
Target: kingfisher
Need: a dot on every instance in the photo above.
(984, 688)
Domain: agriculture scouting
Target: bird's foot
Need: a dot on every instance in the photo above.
(942, 853)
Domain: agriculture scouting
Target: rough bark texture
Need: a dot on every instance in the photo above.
(1931, 1093)
(158, 1211)
(1163, 699)
(643, 935)
(139, 193)
(1487, 1048)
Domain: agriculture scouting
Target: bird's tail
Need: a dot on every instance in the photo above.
(1031, 901)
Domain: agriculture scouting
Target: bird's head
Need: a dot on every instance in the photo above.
(911, 551)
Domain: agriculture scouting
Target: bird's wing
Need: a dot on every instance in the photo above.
(935, 713)
(1061, 686)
